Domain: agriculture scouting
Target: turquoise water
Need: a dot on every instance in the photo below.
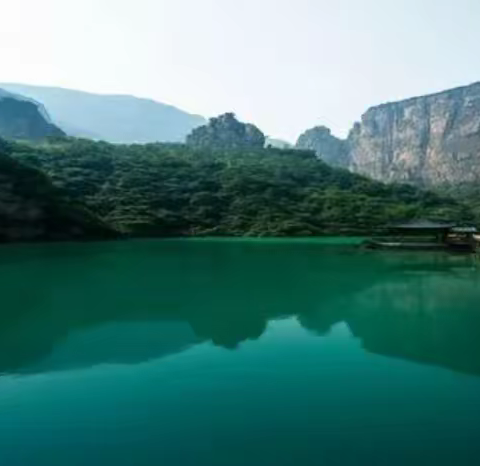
(209, 353)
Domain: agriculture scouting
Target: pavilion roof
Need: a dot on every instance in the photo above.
(423, 224)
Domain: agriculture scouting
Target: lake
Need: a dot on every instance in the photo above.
(237, 352)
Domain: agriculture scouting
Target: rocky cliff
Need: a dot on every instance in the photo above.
(22, 118)
(226, 132)
(427, 141)
(329, 148)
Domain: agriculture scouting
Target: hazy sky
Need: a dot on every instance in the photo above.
(285, 65)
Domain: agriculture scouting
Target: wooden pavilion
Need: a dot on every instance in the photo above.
(427, 235)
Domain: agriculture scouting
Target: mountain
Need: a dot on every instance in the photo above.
(329, 148)
(428, 141)
(112, 118)
(25, 119)
(226, 132)
(31, 208)
(180, 190)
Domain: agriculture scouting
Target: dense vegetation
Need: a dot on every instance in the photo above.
(168, 189)
(31, 208)
(466, 193)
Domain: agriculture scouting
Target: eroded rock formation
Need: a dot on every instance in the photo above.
(428, 141)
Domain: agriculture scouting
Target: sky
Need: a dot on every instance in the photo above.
(284, 65)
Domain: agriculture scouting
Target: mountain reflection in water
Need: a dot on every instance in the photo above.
(77, 306)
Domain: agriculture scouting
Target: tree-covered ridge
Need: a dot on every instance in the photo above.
(168, 189)
(226, 132)
(31, 208)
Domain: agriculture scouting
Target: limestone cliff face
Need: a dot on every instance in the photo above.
(329, 148)
(425, 140)
(226, 132)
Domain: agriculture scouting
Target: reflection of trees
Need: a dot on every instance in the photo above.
(418, 307)
(431, 318)
(225, 292)
(426, 312)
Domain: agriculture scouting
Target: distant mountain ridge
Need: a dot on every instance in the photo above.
(112, 118)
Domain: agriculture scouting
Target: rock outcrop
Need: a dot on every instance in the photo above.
(226, 132)
(31, 208)
(24, 119)
(329, 148)
(427, 141)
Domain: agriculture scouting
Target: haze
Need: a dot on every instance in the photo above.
(285, 65)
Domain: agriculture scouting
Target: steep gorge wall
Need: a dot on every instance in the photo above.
(427, 141)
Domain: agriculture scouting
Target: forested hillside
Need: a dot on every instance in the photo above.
(168, 189)
(466, 193)
(31, 208)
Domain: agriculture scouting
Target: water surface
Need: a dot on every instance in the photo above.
(219, 353)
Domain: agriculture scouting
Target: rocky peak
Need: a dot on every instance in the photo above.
(329, 148)
(226, 132)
